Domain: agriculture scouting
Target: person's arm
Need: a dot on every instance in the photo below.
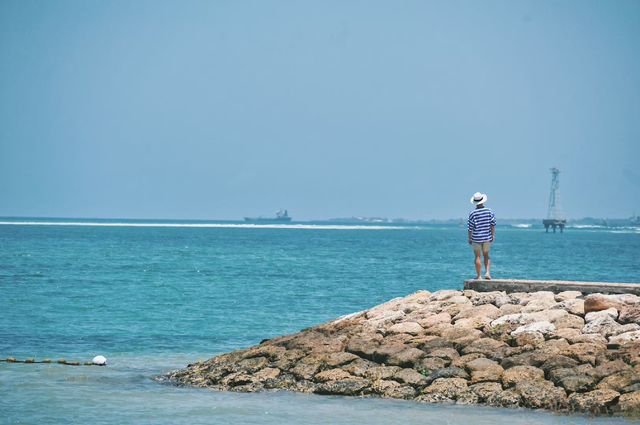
(493, 227)
(470, 226)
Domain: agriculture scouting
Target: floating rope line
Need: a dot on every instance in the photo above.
(97, 361)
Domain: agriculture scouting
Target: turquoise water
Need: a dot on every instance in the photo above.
(152, 297)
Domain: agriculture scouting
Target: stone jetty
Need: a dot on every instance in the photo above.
(558, 351)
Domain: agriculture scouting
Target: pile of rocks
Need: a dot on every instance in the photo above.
(538, 350)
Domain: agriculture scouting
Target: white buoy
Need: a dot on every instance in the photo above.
(99, 360)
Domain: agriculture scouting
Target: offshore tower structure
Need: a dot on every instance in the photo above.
(555, 216)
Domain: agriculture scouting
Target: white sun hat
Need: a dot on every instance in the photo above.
(478, 198)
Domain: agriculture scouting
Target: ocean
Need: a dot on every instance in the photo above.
(153, 296)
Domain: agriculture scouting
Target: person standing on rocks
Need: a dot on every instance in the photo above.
(482, 230)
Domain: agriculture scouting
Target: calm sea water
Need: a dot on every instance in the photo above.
(153, 297)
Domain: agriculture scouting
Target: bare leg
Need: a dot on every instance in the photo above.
(487, 265)
(478, 265)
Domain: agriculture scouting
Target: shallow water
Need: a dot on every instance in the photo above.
(152, 299)
(126, 395)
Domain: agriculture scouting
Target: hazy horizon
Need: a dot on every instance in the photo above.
(296, 219)
(224, 109)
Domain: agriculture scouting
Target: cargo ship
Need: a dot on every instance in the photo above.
(282, 216)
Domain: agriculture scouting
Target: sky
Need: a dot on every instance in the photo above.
(223, 109)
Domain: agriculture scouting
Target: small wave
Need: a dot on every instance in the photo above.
(203, 225)
(522, 226)
(586, 226)
(626, 230)
(633, 228)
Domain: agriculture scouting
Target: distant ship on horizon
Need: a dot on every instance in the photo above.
(282, 216)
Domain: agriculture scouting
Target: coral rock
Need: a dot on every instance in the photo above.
(412, 328)
(443, 389)
(516, 374)
(596, 401)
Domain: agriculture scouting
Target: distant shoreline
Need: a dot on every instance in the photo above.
(301, 225)
(591, 222)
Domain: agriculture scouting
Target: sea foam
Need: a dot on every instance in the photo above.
(203, 225)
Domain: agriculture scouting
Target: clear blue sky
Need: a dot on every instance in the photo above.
(220, 109)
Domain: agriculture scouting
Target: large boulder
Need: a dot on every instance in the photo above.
(575, 336)
(438, 329)
(607, 326)
(382, 372)
(608, 368)
(472, 322)
(406, 357)
(629, 313)
(484, 370)
(544, 327)
(599, 302)
(435, 319)
(332, 375)
(410, 376)
(338, 359)
(507, 398)
(585, 352)
(541, 395)
(447, 372)
(444, 294)
(488, 347)
(443, 390)
(625, 337)
(420, 297)
(384, 317)
(462, 361)
(621, 380)
(524, 339)
(611, 313)
(516, 374)
(460, 336)
(364, 345)
(429, 364)
(305, 369)
(629, 404)
(557, 374)
(520, 319)
(506, 309)
(446, 353)
(489, 311)
(392, 389)
(540, 295)
(594, 402)
(539, 305)
(387, 350)
(577, 383)
(353, 386)
(485, 390)
(567, 295)
(557, 362)
(496, 298)
(412, 328)
(573, 306)
(569, 321)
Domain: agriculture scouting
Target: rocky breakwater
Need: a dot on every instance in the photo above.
(562, 352)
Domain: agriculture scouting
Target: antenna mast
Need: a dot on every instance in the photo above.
(555, 216)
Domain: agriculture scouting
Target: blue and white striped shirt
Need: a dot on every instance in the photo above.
(480, 222)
